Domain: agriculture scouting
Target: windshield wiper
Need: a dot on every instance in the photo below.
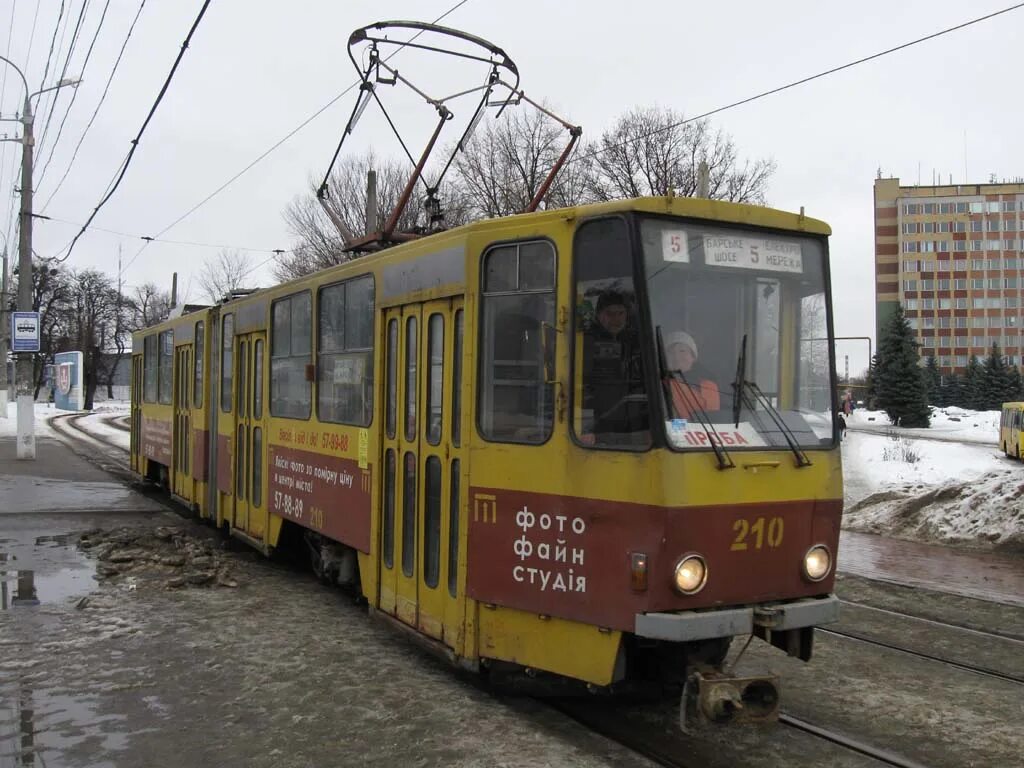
(724, 459)
(738, 393)
(801, 458)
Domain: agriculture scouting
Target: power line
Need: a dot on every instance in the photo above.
(53, 40)
(298, 128)
(149, 239)
(85, 63)
(3, 91)
(135, 141)
(103, 97)
(63, 74)
(795, 83)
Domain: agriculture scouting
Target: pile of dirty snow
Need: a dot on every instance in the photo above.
(987, 512)
(955, 488)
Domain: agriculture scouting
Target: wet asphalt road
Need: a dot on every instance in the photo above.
(282, 671)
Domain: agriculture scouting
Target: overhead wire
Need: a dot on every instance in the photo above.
(148, 239)
(81, 74)
(142, 130)
(284, 139)
(96, 111)
(53, 41)
(3, 92)
(41, 142)
(787, 86)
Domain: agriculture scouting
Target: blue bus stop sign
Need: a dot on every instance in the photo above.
(24, 332)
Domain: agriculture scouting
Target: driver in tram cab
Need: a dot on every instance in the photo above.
(689, 391)
(612, 371)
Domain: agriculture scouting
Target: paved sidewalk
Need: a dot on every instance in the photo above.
(59, 480)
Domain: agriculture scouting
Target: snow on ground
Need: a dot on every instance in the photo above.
(947, 423)
(937, 490)
(43, 411)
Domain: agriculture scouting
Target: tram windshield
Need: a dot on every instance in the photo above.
(739, 321)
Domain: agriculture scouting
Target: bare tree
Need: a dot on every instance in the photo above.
(224, 273)
(649, 151)
(507, 160)
(320, 245)
(149, 305)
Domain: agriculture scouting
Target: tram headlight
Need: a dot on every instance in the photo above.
(817, 563)
(691, 575)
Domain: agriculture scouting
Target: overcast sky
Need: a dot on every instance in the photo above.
(257, 69)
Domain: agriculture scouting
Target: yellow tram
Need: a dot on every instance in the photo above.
(588, 444)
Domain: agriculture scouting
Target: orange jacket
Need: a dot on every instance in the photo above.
(686, 399)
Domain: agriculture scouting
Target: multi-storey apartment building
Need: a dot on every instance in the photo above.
(952, 257)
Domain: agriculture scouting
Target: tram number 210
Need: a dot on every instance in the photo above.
(758, 534)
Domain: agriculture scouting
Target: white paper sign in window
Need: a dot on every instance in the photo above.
(674, 246)
(752, 253)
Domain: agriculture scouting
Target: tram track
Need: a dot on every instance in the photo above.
(98, 449)
(995, 634)
(976, 669)
(664, 745)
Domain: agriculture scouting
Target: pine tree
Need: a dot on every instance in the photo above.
(1016, 386)
(972, 384)
(995, 381)
(933, 380)
(953, 391)
(899, 383)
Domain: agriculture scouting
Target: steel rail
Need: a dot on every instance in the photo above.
(976, 669)
(854, 745)
(939, 622)
(654, 749)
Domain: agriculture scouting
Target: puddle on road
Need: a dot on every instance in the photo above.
(26, 587)
(38, 727)
(42, 723)
(48, 583)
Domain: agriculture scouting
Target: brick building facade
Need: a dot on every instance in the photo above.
(952, 257)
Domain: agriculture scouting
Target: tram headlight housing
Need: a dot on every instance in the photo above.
(691, 574)
(817, 563)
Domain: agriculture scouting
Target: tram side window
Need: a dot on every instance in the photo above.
(291, 339)
(151, 368)
(165, 378)
(610, 398)
(227, 361)
(345, 352)
(197, 365)
(518, 343)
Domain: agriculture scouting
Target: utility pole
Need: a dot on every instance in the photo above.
(24, 374)
(4, 322)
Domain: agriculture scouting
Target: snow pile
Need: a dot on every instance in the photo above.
(951, 493)
(986, 512)
(946, 423)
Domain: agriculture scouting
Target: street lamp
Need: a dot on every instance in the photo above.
(26, 415)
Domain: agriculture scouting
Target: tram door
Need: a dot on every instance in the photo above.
(136, 433)
(250, 515)
(418, 461)
(181, 461)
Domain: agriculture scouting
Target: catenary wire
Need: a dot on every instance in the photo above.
(85, 64)
(135, 141)
(802, 81)
(63, 74)
(53, 40)
(3, 92)
(148, 239)
(281, 141)
(96, 111)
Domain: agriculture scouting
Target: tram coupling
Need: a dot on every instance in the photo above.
(717, 698)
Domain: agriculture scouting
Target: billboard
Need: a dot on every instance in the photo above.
(68, 372)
